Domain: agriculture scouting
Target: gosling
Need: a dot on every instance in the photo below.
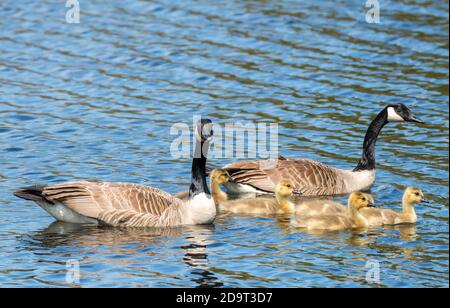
(320, 207)
(280, 205)
(379, 217)
(352, 219)
(217, 178)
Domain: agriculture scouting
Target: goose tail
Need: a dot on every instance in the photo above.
(32, 193)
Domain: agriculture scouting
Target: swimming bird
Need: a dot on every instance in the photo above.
(379, 217)
(280, 205)
(313, 178)
(352, 219)
(217, 178)
(131, 205)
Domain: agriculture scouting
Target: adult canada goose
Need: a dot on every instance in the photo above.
(313, 178)
(131, 205)
(353, 218)
(217, 177)
(378, 217)
(280, 205)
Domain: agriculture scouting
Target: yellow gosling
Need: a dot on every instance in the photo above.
(379, 217)
(351, 219)
(280, 205)
(320, 207)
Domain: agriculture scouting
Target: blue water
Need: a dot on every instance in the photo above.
(96, 100)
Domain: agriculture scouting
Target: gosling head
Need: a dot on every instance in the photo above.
(220, 176)
(414, 195)
(401, 113)
(285, 188)
(360, 200)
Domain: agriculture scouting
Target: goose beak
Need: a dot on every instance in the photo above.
(414, 119)
(208, 136)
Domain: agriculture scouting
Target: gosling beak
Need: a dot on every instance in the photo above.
(412, 118)
(297, 191)
(371, 204)
(423, 200)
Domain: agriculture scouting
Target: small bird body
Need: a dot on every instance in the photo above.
(313, 178)
(281, 204)
(328, 222)
(320, 207)
(379, 217)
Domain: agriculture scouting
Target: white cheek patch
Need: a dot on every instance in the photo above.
(393, 116)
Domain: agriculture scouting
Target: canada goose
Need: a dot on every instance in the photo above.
(131, 205)
(280, 205)
(353, 218)
(378, 217)
(313, 178)
(320, 207)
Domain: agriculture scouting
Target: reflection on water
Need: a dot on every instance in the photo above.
(126, 243)
(96, 100)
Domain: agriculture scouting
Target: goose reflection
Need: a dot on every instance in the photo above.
(408, 232)
(196, 255)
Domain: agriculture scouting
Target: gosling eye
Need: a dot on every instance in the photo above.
(417, 194)
(364, 199)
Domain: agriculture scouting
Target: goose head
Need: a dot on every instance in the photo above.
(205, 130)
(401, 113)
(203, 135)
(285, 188)
(220, 176)
(360, 200)
(414, 195)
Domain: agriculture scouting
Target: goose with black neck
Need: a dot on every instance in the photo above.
(131, 205)
(313, 178)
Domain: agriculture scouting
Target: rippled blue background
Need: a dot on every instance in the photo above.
(96, 100)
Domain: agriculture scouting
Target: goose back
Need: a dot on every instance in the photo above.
(310, 177)
(118, 204)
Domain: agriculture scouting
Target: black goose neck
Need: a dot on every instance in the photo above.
(367, 161)
(198, 183)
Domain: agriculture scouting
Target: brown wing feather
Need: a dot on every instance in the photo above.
(114, 203)
(311, 178)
